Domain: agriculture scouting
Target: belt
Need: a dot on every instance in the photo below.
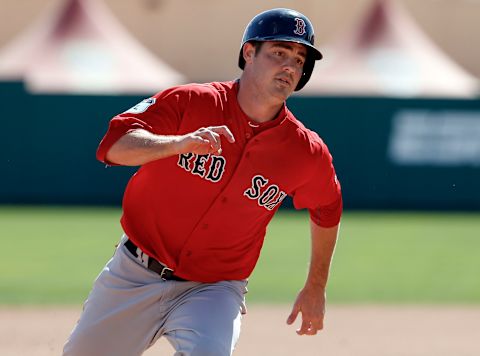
(153, 265)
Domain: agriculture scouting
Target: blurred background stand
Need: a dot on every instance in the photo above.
(387, 54)
(78, 46)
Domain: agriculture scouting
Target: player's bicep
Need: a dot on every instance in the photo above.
(161, 115)
(321, 188)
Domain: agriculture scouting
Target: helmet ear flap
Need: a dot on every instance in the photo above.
(307, 72)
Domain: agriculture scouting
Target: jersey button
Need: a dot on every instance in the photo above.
(248, 135)
(205, 226)
(224, 199)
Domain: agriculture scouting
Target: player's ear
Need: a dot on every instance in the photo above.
(248, 52)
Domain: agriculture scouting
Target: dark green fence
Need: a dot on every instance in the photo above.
(401, 153)
(389, 153)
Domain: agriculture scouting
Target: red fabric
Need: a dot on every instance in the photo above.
(206, 223)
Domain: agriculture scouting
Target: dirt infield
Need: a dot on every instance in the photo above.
(350, 331)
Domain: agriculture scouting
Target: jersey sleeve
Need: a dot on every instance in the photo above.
(321, 193)
(160, 114)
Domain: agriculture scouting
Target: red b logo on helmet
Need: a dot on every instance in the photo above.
(299, 26)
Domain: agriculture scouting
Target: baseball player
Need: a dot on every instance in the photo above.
(217, 160)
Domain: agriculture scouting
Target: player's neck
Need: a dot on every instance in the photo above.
(257, 107)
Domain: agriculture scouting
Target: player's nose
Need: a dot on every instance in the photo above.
(290, 65)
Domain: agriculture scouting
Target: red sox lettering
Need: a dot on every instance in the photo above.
(269, 198)
(207, 166)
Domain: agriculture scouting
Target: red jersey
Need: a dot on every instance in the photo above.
(205, 216)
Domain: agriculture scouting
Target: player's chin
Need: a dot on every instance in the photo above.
(281, 91)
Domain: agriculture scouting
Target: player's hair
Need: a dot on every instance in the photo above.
(257, 45)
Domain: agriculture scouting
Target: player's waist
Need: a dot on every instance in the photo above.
(152, 264)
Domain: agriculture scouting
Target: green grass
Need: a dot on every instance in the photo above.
(52, 255)
(380, 257)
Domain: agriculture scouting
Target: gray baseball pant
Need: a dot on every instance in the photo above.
(130, 307)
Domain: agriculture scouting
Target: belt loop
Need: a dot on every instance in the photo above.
(143, 257)
(150, 263)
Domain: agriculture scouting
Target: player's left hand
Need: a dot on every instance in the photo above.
(206, 140)
(310, 303)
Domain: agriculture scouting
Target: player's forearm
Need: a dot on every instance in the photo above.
(323, 246)
(138, 147)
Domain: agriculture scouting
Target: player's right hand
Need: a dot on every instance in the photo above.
(206, 140)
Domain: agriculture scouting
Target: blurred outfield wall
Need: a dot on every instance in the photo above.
(389, 153)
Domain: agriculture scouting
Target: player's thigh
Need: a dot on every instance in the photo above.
(120, 315)
(207, 320)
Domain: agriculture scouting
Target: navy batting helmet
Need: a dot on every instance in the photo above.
(283, 25)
